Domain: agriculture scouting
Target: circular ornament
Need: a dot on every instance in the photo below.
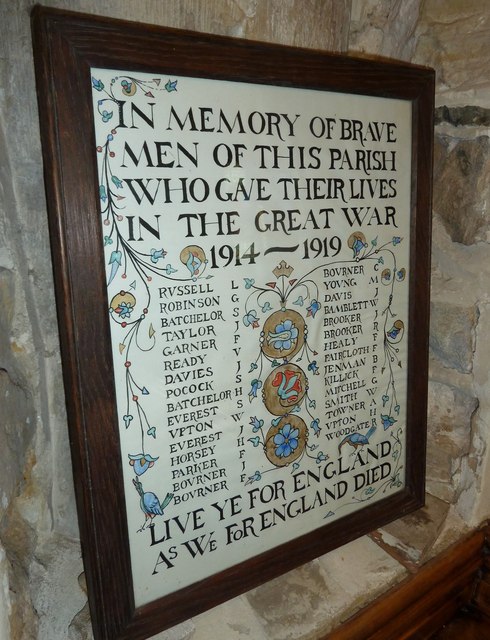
(123, 304)
(284, 389)
(286, 441)
(386, 276)
(284, 334)
(357, 242)
(128, 87)
(193, 257)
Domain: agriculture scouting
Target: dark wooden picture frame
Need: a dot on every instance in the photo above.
(66, 47)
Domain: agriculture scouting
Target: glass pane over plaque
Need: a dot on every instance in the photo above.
(256, 241)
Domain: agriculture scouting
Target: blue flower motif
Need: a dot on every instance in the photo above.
(107, 240)
(267, 307)
(249, 282)
(313, 367)
(117, 182)
(286, 441)
(387, 421)
(300, 301)
(169, 270)
(256, 424)
(97, 84)
(255, 478)
(124, 310)
(127, 419)
(283, 336)
(156, 254)
(250, 319)
(396, 240)
(152, 432)
(171, 85)
(313, 308)
(255, 441)
(106, 115)
(141, 462)
(255, 386)
(102, 193)
(315, 425)
(321, 457)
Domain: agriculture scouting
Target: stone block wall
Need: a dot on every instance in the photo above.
(41, 576)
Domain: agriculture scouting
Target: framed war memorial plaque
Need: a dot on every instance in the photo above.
(241, 240)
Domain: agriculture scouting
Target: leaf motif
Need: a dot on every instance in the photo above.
(115, 260)
(116, 257)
